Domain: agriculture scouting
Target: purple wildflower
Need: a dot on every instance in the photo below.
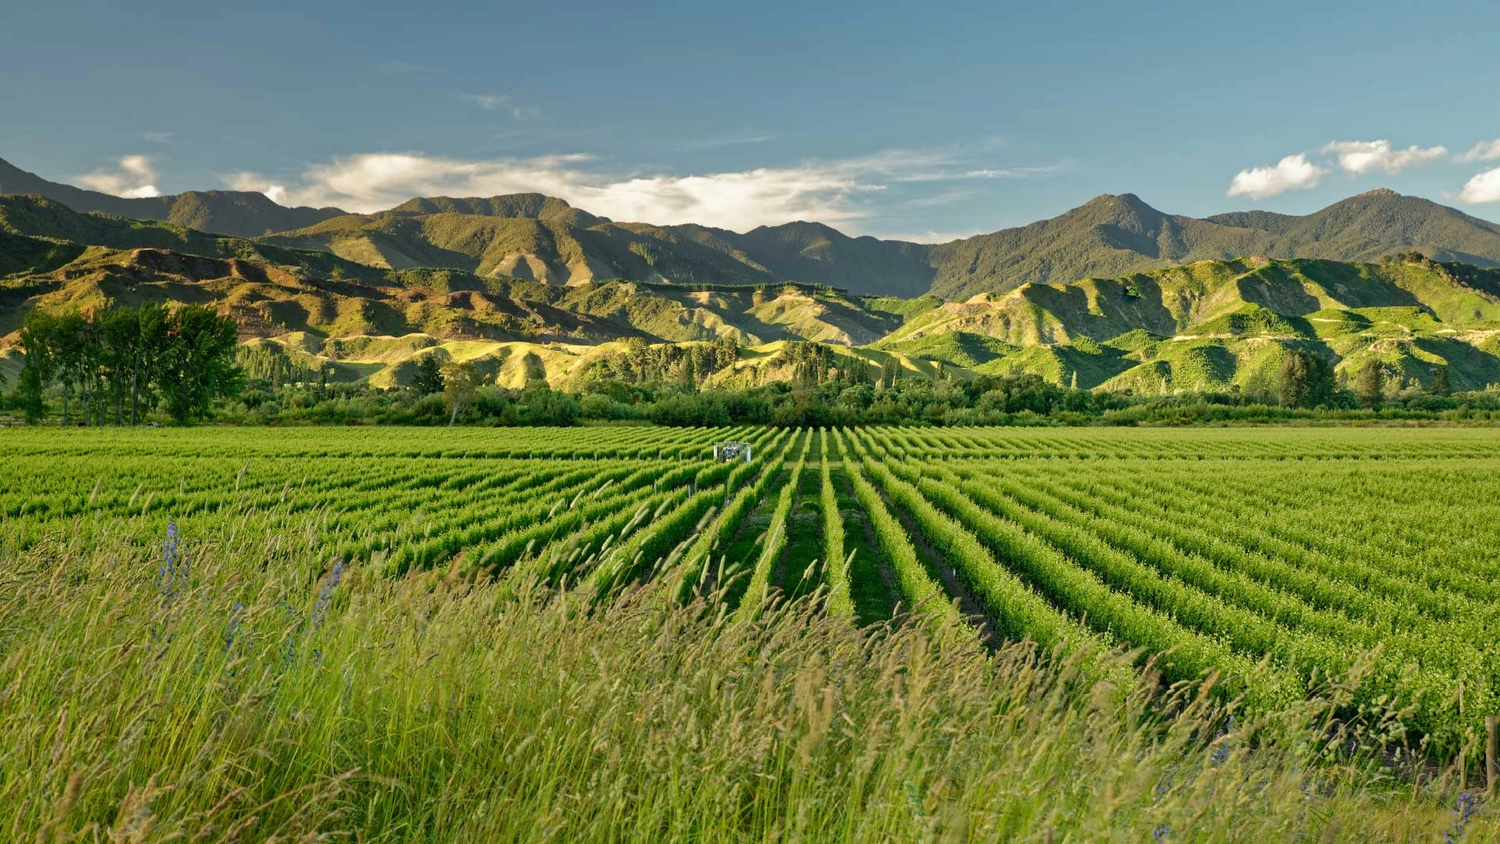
(172, 576)
(1463, 809)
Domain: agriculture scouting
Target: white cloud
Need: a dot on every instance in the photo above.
(1483, 151)
(488, 102)
(1294, 172)
(721, 141)
(496, 102)
(1484, 187)
(826, 191)
(940, 164)
(134, 177)
(1368, 156)
(939, 199)
(1009, 172)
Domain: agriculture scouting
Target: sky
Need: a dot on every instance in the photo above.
(923, 121)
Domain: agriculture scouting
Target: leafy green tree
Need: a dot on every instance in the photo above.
(460, 383)
(1440, 386)
(198, 363)
(1307, 380)
(1369, 384)
(428, 378)
(541, 405)
(38, 339)
(153, 342)
(70, 356)
(118, 331)
(1293, 380)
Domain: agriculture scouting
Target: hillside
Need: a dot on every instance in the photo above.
(812, 253)
(1117, 235)
(548, 249)
(371, 324)
(235, 213)
(1208, 325)
(1217, 325)
(38, 219)
(544, 239)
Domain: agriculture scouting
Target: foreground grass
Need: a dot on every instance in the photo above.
(237, 687)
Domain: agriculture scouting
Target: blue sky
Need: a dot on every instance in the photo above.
(918, 120)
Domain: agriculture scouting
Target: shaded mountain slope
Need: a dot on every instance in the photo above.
(532, 236)
(39, 218)
(1118, 235)
(235, 213)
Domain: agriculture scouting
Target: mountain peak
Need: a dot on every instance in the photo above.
(537, 206)
(1117, 203)
(1115, 199)
(1379, 193)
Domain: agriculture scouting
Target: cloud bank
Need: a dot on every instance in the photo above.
(832, 191)
(1299, 172)
(134, 177)
(1358, 158)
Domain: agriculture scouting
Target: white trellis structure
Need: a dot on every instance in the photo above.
(729, 451)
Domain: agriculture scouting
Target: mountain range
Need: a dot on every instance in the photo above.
(237, 213)
(542, 238)
(1114, 294)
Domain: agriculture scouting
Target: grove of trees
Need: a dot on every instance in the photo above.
(118, 363)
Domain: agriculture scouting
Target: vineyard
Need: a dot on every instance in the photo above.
(1278, 560)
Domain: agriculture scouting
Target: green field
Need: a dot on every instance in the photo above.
(467, 634)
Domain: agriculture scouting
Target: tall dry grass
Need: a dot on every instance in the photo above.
(246, 693)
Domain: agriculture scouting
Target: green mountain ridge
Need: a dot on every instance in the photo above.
(1117, 235)
(1203, 325)
(543, 238)
(1109, 236)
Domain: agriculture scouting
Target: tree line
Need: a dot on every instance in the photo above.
(1308, 381)
(120, 363)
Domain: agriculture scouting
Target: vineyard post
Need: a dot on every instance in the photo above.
(1491, 751)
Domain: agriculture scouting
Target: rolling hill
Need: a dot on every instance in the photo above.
(1226, 325)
